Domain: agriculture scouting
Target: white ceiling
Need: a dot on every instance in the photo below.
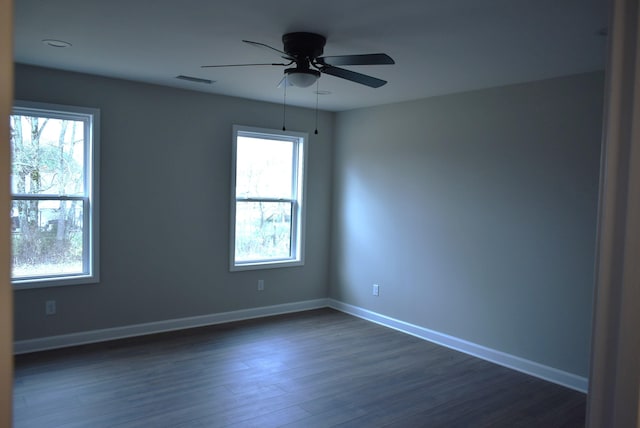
(440, 46)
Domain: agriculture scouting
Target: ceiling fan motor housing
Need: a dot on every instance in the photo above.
(303, 45)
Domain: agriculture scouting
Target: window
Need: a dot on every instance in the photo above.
(267, 204)
(54, 186)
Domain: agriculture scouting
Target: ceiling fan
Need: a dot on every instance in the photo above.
(305, 50)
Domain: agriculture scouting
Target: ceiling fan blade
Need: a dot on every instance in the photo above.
(363, 79)
(262, 45)
(241, 65)
(367, 59)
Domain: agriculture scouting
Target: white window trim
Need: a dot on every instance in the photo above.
(92, 176)
(299, 205)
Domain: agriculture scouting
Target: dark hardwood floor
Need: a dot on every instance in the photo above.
(318, 368)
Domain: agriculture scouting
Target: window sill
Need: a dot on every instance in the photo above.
(266, 265)
(29, 284)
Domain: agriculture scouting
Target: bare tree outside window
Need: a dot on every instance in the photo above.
(264, 170)
(50, 206)
(267, 205)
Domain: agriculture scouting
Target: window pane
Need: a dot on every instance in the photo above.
(47, 237)
(47, 155)
(263, 230)
(264, 168)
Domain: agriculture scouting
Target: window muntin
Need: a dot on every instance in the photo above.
(54, 210)
(267, 203)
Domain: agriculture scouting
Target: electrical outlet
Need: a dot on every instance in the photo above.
(261, 285)
(376, 290)
(50, 307)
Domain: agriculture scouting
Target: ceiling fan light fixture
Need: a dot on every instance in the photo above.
(301, 78)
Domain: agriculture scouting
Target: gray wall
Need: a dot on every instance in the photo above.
(476, 214)
(165, 189)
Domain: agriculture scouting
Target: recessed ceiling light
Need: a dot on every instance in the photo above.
(323, 92)
(56, 43)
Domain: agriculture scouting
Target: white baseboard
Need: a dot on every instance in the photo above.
(550, 374)
(532, 368)
(85, 337)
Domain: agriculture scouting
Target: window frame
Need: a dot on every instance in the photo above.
(298, 200)
(90, 198)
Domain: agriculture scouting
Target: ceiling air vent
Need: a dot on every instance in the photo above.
(194, 79)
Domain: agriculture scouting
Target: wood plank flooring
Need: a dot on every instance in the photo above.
(317, 368)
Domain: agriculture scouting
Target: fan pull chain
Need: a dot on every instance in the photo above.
(317, 95)
(284, 107)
